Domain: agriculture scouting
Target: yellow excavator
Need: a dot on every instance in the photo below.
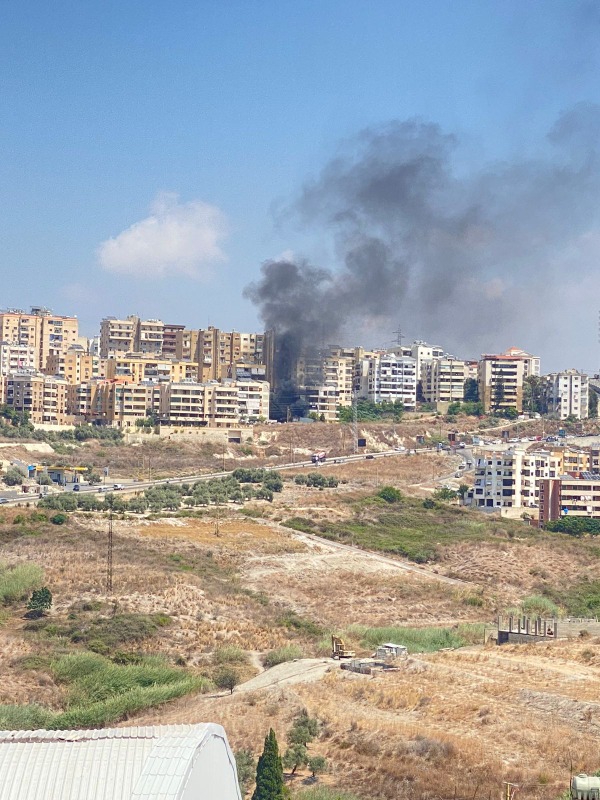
(338, 648)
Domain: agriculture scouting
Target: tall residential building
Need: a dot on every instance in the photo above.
(390, 378)
(566, 394)
(443, 380)
(15, 357)
(76, 366)
(118, 336)
(50, 334)
(149, 339)
(500, 381)
(170, 331)
(43, 397)
(513, 479)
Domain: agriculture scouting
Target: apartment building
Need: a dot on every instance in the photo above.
(118, 336)
(253, 400)
(212, 349)
(566, 394)
(389, 378)
(43, 397)
(76, 365)
(169, 347)
(323, 400)
(500, 381)
(511, 479)
(443, 380)
(150, 335)
(140, 368)
(576, 494)
(49, 334)
(14, 357)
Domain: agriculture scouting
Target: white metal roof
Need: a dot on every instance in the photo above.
(152, 763)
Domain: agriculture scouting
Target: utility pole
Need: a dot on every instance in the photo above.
(355, 421)
(109, 555)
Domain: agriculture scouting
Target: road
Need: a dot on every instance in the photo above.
(132, 487)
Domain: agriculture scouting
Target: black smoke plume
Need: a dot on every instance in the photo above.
(472, 258)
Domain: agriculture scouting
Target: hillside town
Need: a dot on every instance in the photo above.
(182, 378)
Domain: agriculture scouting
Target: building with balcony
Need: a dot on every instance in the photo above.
(576, 494)
(566, 394)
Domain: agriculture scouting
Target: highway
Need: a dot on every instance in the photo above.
(15, 497)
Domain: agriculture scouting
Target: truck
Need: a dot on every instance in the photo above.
(319, 458)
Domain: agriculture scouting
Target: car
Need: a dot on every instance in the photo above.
(118, 486)
(77, 488)
(103, 489)
(400, 448)
(4, 500)
(369, 457)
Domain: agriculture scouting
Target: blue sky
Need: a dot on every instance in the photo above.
(144, 146)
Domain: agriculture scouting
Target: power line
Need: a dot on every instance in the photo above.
(109, 555)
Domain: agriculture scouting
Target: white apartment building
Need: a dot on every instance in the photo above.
(253, 400)
(150, 336)
(511, 479)
(566, 394)
(391, 378)
(424, 353)
(15, 356)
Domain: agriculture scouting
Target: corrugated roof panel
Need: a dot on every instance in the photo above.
(111, 764)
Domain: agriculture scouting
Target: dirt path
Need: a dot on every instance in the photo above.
(302, 670)
(310, 539)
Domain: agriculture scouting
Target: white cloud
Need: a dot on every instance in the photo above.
(176, 239)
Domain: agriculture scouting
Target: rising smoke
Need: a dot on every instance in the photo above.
(475, 259)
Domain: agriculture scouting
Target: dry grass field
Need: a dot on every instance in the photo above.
(448, 724)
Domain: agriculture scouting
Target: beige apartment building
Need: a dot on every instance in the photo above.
(43, 397)
(49, 334)
(170, 332)
(76, 366)
(443, 380)
(212, 349)
(131, 335)
(500, 381)
(140, 368)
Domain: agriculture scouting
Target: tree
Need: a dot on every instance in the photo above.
(295, 756)
(245, 765)
(533, 400)
(94, 478)
(317, 764)
(445, 494)
(462, 490)
(471, 391)
(40, 601)
(269, 771)
(499, 393)
(592, 404)
(14, 477)
(227, 678)
(304, 729)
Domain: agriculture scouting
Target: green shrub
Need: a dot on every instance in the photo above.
(59, 519)
(539, 606)
(390, 494)
(280, 655)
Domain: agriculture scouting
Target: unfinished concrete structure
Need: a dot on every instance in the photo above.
(521, 629)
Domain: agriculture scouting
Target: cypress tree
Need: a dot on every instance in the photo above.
(269, 771)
